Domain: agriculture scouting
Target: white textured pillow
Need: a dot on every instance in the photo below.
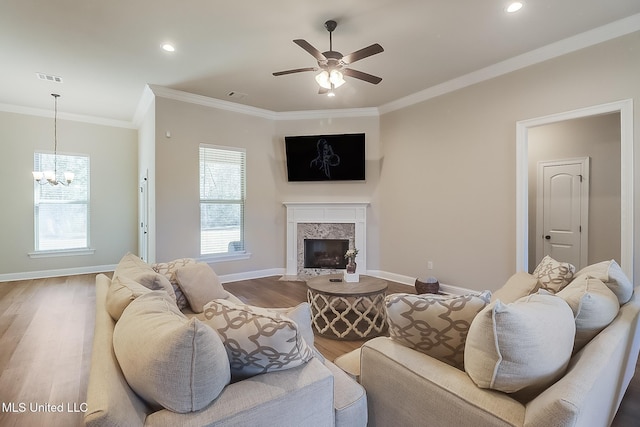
(553, 275)
(519, 285)
(257, 340)
(168, 270)
(610, 273)
(433, 324)
(121, 292)
(200, 284)
(132, 267)
(594, 306)
(301, 315)
(170, 361)
(520, 347)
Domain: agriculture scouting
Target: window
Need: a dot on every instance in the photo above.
(61, 213)
(222, 197)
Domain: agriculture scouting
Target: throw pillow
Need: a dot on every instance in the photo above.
(120, 294)
(200, 284)
(553, 275)
(594, 306)
(436, 325)
(139, 271)
(170, 361)
(520, 347)
(168, 270)
(610, 273)
(301, 315)
(257, 340)
(519, 285)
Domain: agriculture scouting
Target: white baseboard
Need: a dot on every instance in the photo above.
(227, 278)
(43, 274)
(410, 281)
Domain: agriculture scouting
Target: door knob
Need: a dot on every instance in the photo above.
(547, 237)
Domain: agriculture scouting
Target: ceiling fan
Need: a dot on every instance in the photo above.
(334, 65)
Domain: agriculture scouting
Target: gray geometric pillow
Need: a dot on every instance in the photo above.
(257, 340)
(553, 275)
(168, 269)
(436, 325)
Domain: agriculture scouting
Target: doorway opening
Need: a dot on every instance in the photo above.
(625, 108)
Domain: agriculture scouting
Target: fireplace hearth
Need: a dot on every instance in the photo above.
(325, 253)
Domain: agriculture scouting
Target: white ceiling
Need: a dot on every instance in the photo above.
(107, 51)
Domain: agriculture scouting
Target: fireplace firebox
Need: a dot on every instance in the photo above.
(325, 253)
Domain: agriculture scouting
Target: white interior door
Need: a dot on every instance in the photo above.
(563, 210)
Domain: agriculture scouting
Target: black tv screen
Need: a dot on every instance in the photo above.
(325, 157)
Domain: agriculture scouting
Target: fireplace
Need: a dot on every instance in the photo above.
(325, 253)
(329, 221)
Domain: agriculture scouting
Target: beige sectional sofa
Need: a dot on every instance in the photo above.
(313, 392)
(406, 385)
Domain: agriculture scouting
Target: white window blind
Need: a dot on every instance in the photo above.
(61, 213)
(222, 198)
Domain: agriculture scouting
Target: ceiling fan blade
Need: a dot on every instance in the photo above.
(322, 90)
(362, 76)
(297, 70)
(312, 50)
(362, 53)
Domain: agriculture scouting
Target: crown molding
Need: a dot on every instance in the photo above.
(18, 109)
(598, 35)
(192, 98)
(328, 114)
(206, 101)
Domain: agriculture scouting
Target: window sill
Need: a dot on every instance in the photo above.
(230, 256)
(62, 252)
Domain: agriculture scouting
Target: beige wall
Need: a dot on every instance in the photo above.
(595, 137)
(440, 174)
(113, 162)
(177, 209)
(176, 173)
(448, 175)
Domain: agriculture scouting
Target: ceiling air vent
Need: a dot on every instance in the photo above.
(49, 77)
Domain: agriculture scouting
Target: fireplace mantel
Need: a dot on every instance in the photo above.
(326, 212)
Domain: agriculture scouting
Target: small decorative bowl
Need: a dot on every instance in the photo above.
(428, 286)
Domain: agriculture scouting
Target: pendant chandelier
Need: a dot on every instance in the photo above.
(51, 177)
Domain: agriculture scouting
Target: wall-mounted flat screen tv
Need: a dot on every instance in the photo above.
(325, 157)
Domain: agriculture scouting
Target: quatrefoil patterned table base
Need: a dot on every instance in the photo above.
(348, 311)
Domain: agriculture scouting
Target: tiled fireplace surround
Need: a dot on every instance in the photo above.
(324, 220)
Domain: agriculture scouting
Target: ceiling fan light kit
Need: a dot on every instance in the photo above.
(329, 80)
(334, 65)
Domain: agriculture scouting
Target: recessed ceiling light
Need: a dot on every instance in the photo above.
(514, 6)
(168, 47)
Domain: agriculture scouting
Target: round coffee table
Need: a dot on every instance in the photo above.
(347, 310)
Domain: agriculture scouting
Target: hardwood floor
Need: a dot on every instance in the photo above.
(46, 332)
